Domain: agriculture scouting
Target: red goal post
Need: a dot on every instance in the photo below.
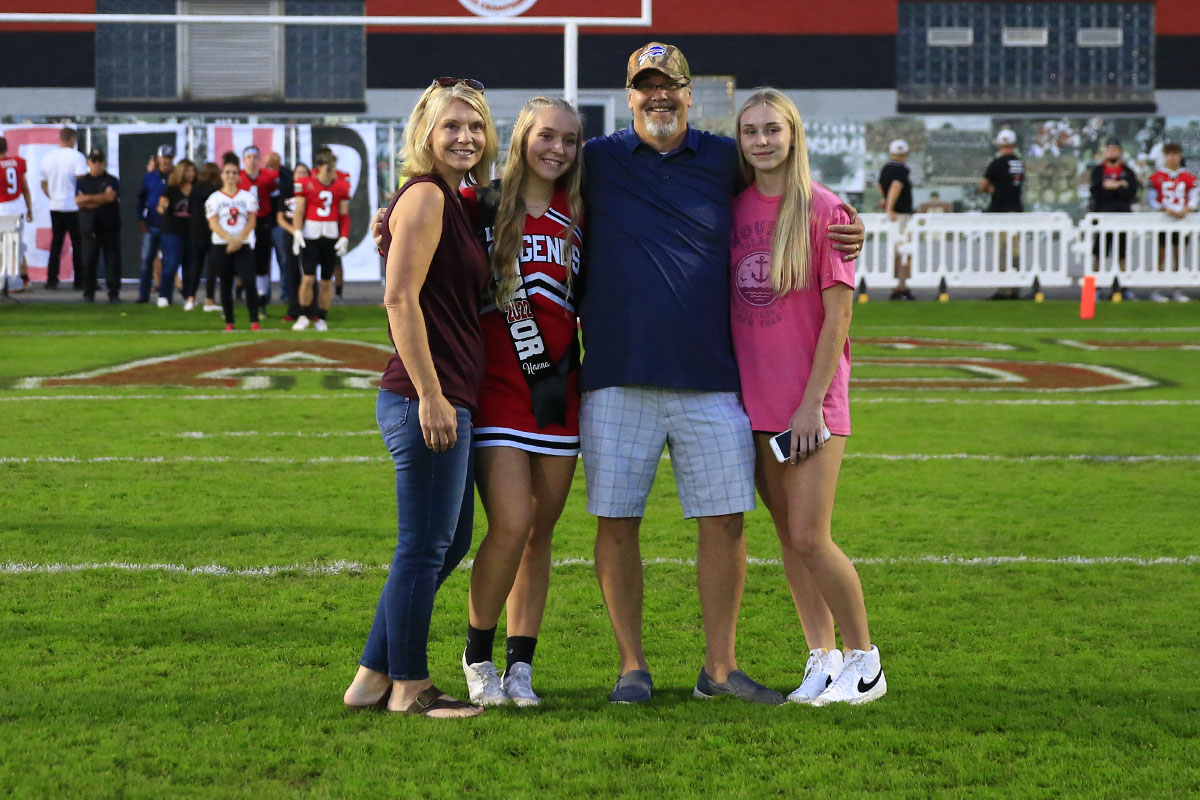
(569, 15)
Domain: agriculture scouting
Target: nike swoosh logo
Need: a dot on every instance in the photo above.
(866, 687)
(829, 680)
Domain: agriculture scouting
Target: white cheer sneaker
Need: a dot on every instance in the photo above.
(483, 684)
(300, 323)
(860, 681)
(321, 325)
(819, 672)
(518, 685)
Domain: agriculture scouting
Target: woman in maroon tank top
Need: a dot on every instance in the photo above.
(436, 273)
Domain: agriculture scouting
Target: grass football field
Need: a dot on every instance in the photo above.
(194, 527)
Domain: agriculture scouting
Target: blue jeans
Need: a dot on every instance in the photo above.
(282, 240)
(176, 253)
(435, 504)
(150, 244)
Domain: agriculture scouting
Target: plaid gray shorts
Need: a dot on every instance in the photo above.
(623, 430)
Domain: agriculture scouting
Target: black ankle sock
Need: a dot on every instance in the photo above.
(520, 648)
(479, 644)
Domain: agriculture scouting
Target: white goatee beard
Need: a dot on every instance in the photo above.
(662, 130)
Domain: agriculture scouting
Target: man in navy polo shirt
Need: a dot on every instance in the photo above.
(659, 368)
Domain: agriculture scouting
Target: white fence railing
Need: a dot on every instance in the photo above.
(1011, 250)
(1151, 250)
(10, 247)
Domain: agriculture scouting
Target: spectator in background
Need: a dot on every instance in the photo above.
(98, 196)
(1114, 186)
(208, 180)
(60, 169)
(1002, 180)
(896, 188)
(1173, 191)
(935, 205)
(231, 213)
(175, 209)
(262, 183)
(14, 196)
(281, 242)
(285, 228)
(150, 221)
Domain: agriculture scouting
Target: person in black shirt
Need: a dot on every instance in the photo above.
(1002, 180)
(175, 208)
(208, 180)
(98, 196)
(285, 213)
(896, 188)
(1114, 187)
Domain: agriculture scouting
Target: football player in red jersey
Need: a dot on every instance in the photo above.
(262, 183)
(526, 432)
(13, 188)
(1173, 191)
(323, 203)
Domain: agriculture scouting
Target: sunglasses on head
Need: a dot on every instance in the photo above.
(447, 82)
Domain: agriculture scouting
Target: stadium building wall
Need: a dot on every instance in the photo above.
(49, 69)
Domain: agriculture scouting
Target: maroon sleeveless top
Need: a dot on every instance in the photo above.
(449, 299)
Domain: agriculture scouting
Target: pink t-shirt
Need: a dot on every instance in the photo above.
(774, 338)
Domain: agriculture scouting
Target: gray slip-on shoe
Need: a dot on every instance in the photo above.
(739, 685)
(632, 687)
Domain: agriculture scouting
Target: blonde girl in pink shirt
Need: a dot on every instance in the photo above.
(791, 301)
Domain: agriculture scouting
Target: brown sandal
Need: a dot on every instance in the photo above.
(431, 699)
(378, 705)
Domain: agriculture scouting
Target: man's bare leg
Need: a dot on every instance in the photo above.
(619, 570)
(721, 576)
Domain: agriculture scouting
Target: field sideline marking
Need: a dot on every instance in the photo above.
(354, 567)
(313, 434)
(1097, 458)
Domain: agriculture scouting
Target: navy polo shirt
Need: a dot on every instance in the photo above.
(655, 298)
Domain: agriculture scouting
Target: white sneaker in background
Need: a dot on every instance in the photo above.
(189, 305)
(483, 684)
(301, 323)
(163, 302)
(1180, 297)
(518, 685)
(211, 307)
(321, 325)
(860, 681)
(820, 671)
(1159, 297)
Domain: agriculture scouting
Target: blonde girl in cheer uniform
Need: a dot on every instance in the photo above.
(526, 433)
(791, 306)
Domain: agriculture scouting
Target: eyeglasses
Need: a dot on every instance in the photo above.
(649, 87)
(447, 82)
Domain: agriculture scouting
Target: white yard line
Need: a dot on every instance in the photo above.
(252, 434)
(1022, 401)
(342, 567)
(238, 395)
(207, 331)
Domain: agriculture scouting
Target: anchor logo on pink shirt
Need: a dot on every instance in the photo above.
(752, 279)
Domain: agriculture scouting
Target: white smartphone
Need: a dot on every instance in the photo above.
(781, 444)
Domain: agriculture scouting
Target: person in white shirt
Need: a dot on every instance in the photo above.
(59, 171)
(231, 213)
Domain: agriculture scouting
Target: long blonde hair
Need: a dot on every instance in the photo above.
(175, 179)
(509, 226)
(417, 155)
(791, 251)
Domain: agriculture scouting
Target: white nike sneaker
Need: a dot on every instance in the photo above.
(321, 325)
(860, 681)
(518, 685)
(211, 307)
(483, 683)
(1158, 297)
(1180, 297)
(189, 305)
(301, 323)
(819, 672)
(162, 301)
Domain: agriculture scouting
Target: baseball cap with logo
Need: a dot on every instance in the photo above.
(1005, 137)
(665, 58)
(95, 154)
(166, 151)
(1112, 141)
(898, 147)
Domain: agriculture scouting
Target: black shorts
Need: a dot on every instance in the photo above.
(319, 252)
(1175, 239)
(1108, 244)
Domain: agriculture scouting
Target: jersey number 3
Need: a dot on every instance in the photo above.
(326, 198)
